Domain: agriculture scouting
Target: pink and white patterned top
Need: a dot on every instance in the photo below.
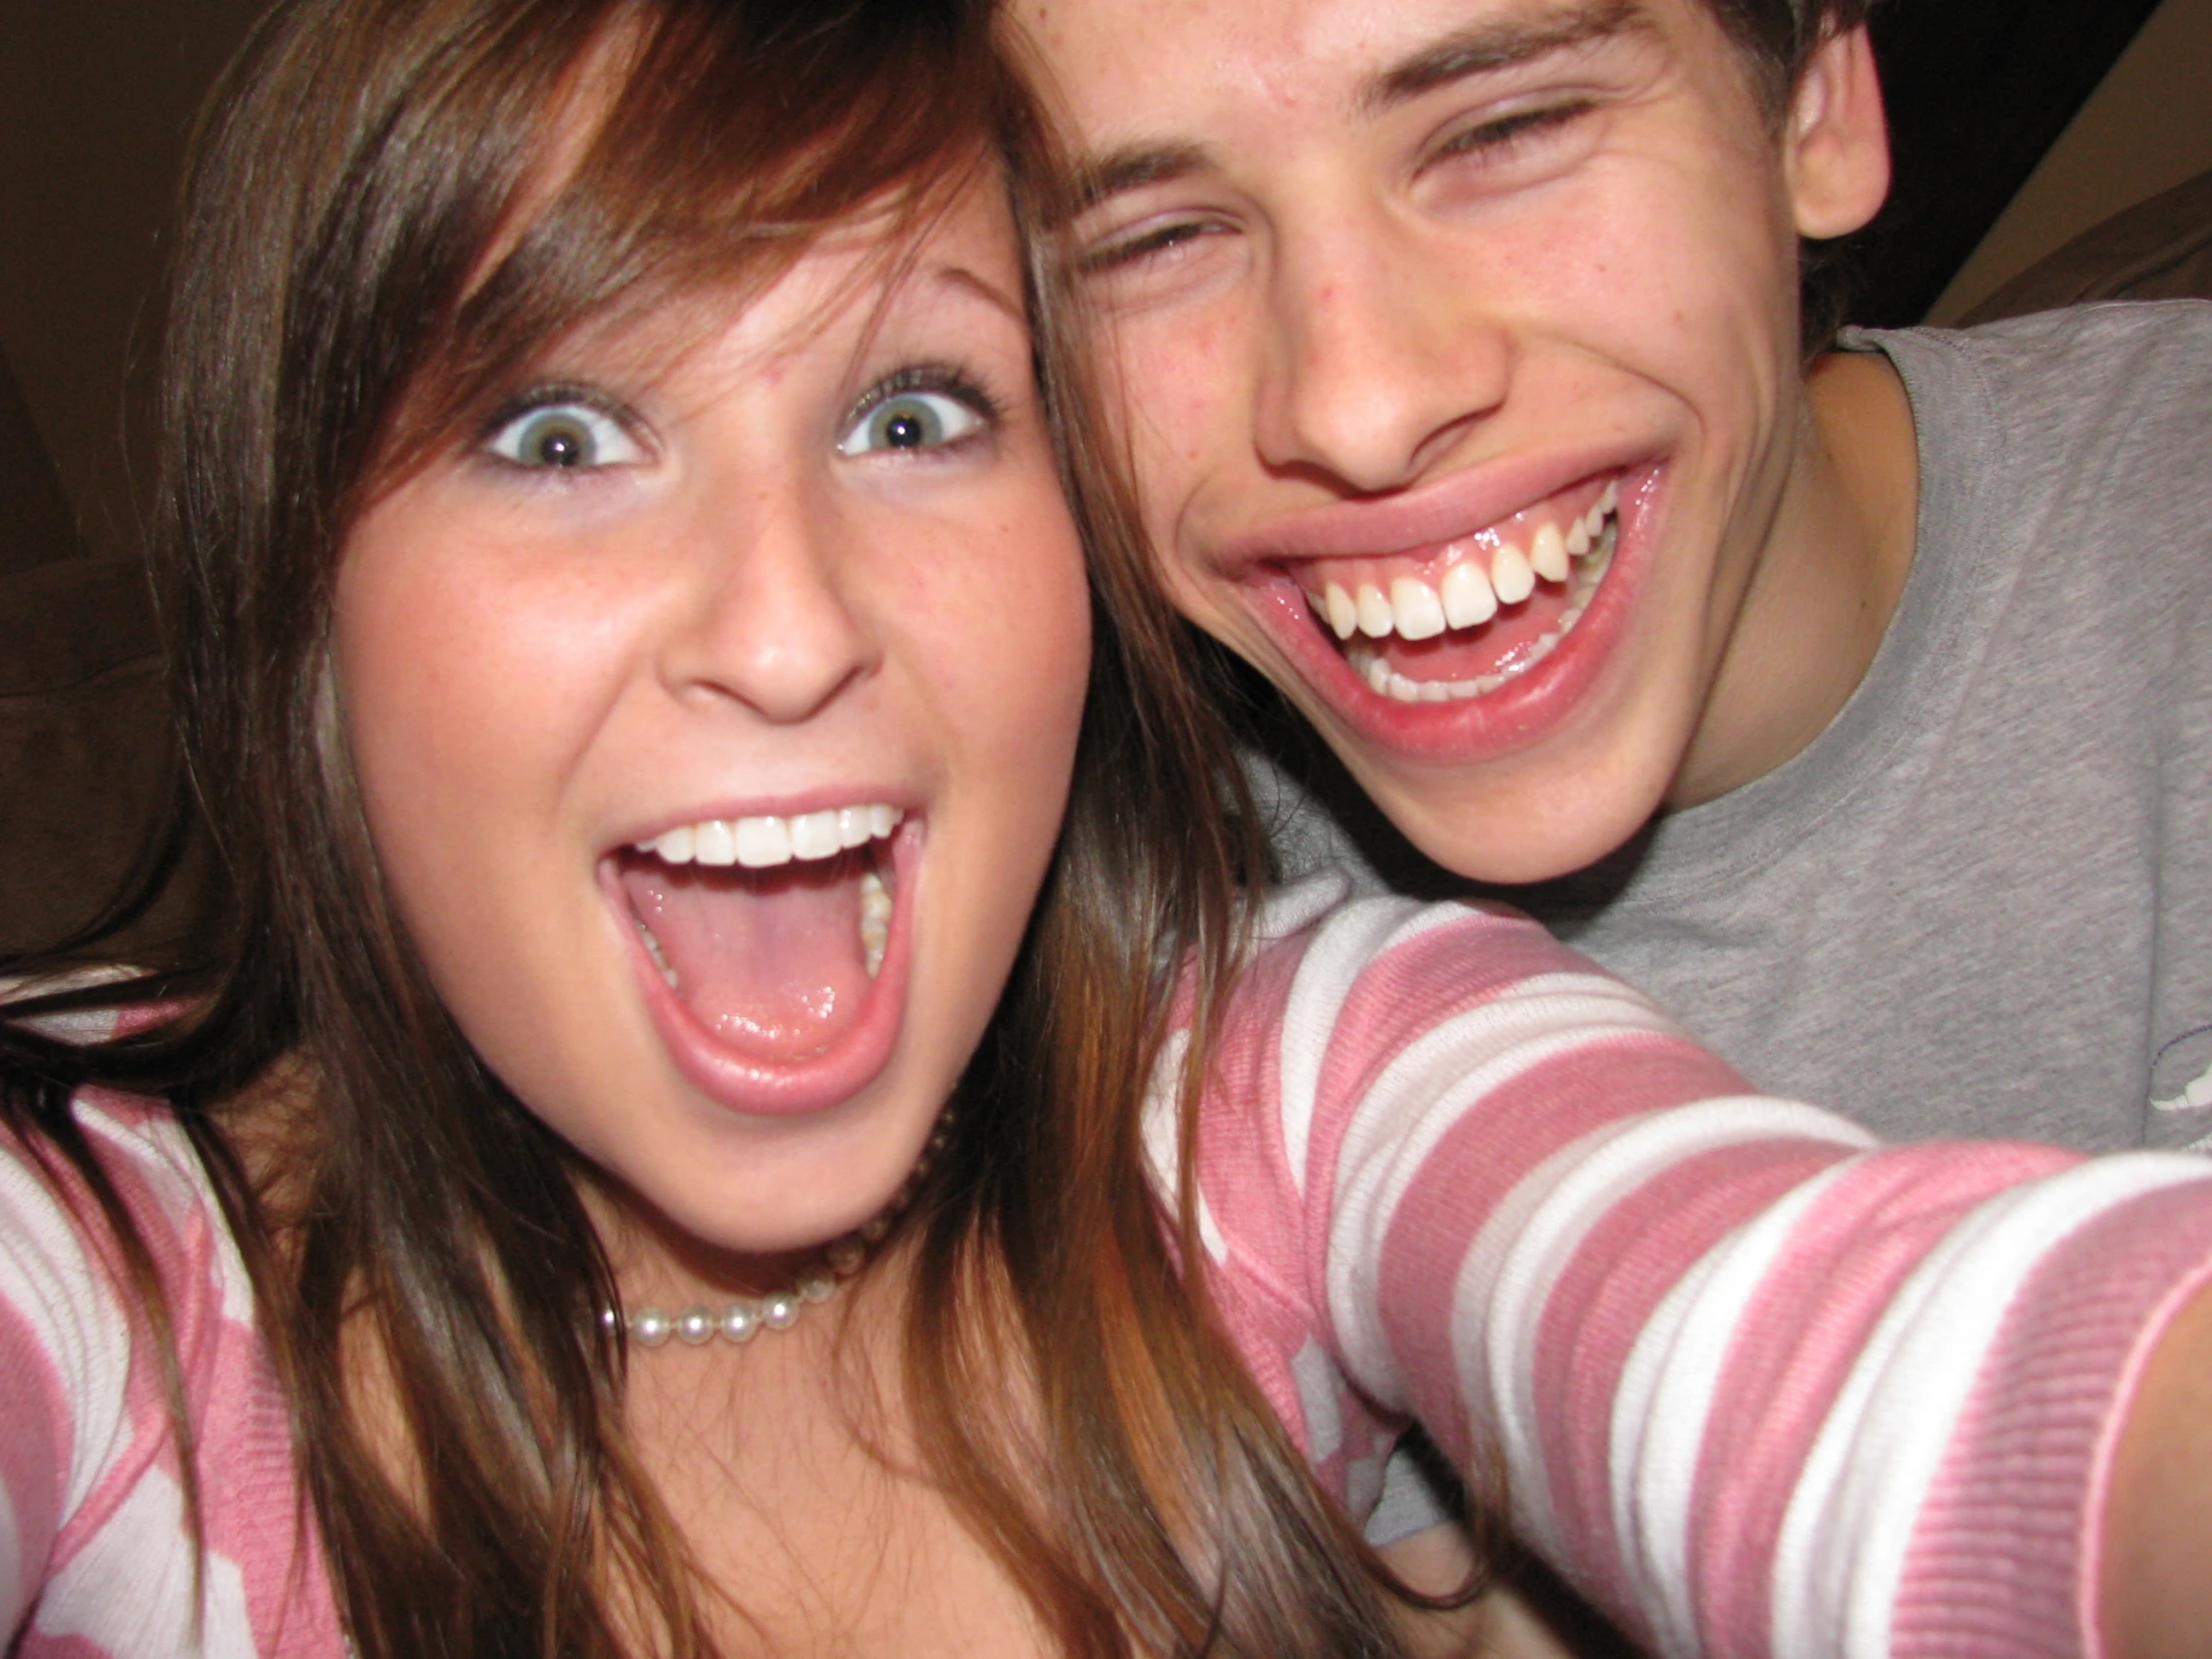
(1756, 1384)
(1759, 1386)
(94, 1558)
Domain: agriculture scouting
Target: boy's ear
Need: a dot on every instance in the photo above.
(1836, 148)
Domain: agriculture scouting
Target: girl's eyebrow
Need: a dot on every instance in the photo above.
(960, 276)
(1537, 31)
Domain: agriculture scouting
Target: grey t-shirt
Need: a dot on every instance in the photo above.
(1981, 901)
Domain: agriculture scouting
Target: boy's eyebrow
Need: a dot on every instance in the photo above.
(1500, 44)
(1131, 168)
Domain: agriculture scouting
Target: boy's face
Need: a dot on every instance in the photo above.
(1457, 346)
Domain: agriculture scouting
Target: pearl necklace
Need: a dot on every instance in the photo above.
(745, 1316)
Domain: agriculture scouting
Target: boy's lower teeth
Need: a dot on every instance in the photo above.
(1368, 663)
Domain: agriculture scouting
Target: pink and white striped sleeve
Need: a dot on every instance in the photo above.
(1757, 1385)
(95, 1557)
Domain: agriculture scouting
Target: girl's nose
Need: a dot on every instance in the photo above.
(768, 616)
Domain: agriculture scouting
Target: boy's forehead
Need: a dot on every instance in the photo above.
(1156, 65)
(1360, 35)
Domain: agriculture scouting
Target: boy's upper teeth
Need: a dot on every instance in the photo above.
(761, 841)
(1469, 600)
(1547, 553)
(1467, 595)
(1417, 610)
(1512, 575)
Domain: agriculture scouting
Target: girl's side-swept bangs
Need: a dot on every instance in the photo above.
(678, 146)
(393, 213)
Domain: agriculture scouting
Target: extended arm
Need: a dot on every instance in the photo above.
(1754, 1383)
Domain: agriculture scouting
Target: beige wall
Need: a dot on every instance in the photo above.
(2147, 128)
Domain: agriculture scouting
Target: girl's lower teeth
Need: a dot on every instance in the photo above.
(875, 921)
(653, 950)
(1384, 681)
(875, 930)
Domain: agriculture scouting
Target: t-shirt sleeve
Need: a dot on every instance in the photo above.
(1754, 1383)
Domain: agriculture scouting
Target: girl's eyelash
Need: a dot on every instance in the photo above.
(547, 396)
(938, 378)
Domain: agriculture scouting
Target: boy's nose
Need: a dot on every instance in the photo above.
(768, 616)
(1371, 369)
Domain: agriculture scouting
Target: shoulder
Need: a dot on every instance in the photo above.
(2085, 338)
(1357, 1017)
(2060, 447)
(2123, 370)
(1380, 971)
(1338, 985)
(150, 1162)
(76, 1335)
(92, 1466)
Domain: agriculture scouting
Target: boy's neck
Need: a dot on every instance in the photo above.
(1826, 584)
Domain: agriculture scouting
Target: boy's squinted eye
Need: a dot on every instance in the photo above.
(923, 407)
(1149, 244)
(569, 428)
(1503, 137)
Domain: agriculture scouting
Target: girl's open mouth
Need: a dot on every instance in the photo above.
(774, 947)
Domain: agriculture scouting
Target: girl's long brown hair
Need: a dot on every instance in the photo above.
(371, 251)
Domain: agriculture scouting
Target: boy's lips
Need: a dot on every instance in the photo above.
(773, 950)
(1470, 642)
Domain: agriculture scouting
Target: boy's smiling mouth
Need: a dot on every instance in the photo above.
(777, 938)
(1462, 620)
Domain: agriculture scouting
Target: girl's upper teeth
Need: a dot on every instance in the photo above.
(1467, 595)
(757, 842)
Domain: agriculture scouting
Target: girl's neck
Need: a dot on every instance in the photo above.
(792, 1469)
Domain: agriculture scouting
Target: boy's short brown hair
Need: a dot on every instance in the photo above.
(1777, 37)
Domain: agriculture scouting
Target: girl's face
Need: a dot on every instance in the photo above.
(713, 715)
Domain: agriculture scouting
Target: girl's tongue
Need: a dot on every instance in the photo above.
(771, 961)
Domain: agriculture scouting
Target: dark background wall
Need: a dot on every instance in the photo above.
(1977, 93)
(96, 98)
(2147, 128)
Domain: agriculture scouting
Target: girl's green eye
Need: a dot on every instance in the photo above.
(568, 435)
(910, 420)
